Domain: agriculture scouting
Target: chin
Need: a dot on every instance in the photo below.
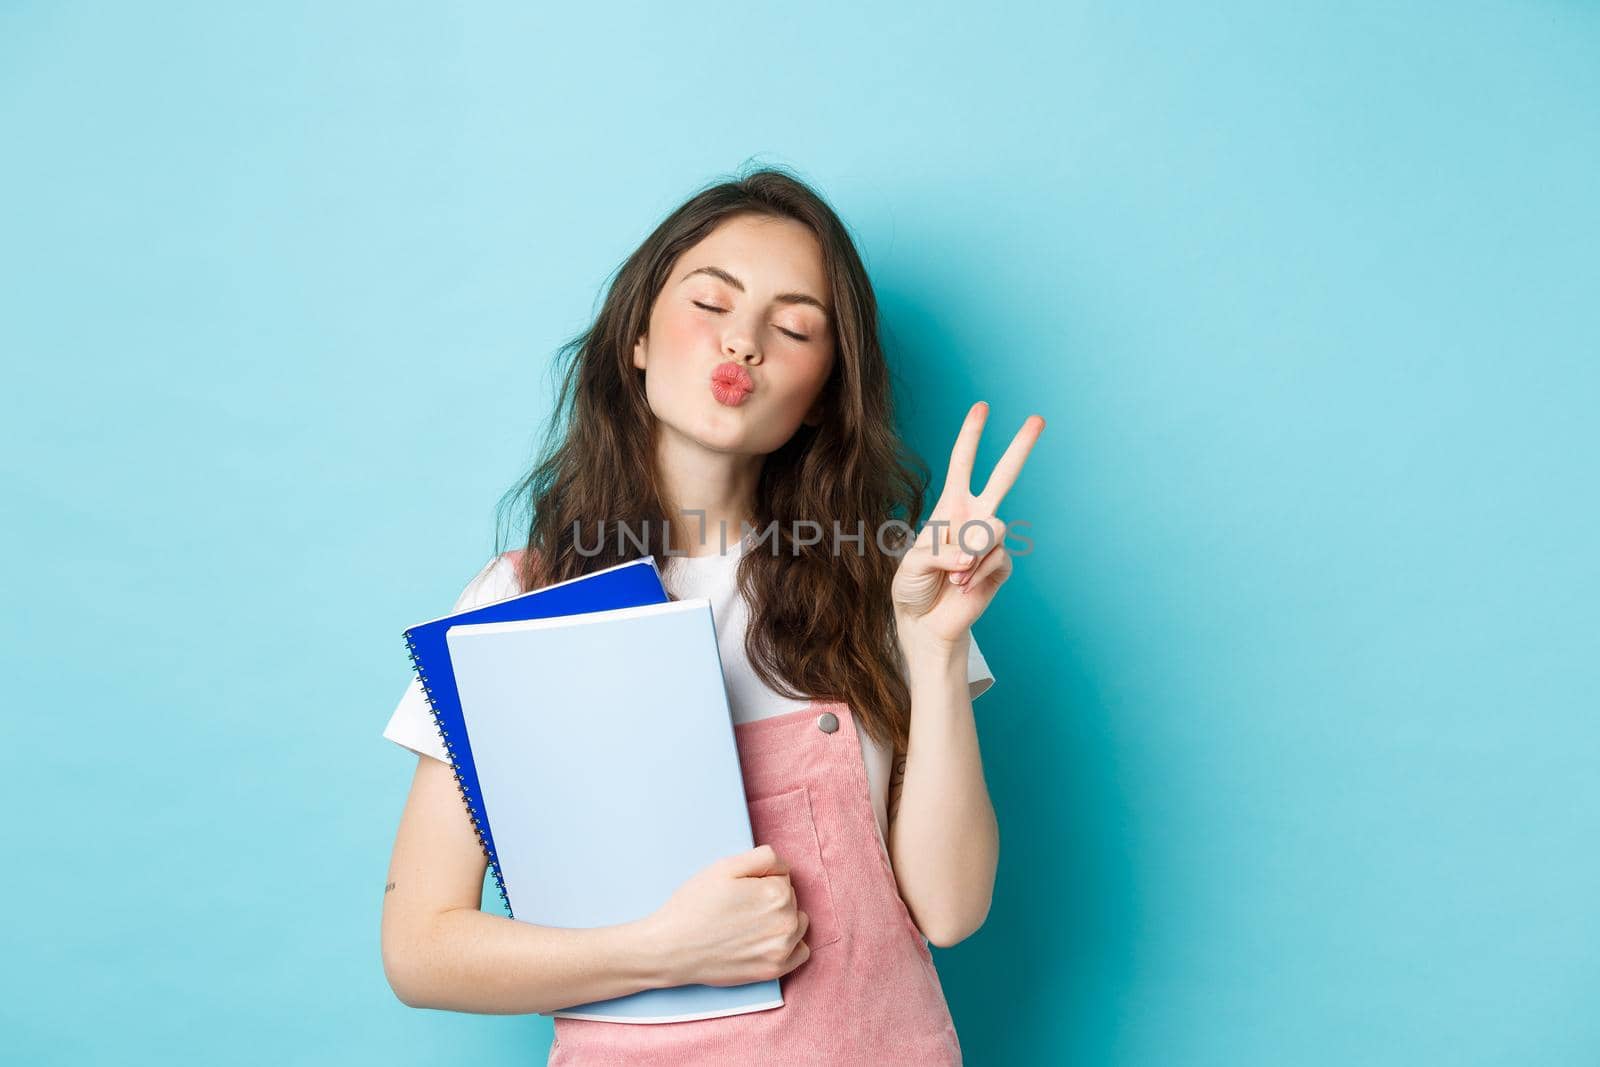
(738, 443)
(737, 430)
(715, 431)
(741, 440)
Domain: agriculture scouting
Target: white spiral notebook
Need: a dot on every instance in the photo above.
(605, 753)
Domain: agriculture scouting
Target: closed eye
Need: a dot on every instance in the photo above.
(791, 333)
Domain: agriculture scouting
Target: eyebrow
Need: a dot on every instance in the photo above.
(782, 298)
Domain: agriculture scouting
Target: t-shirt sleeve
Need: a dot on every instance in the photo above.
(980, 679)
(411, 723)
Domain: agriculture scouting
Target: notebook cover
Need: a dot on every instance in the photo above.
(607, 761)
(627, 584)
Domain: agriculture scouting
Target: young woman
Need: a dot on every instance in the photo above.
(730, 410)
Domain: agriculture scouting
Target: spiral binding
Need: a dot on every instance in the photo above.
(455, 769)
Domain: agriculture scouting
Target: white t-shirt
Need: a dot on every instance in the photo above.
(749, 698)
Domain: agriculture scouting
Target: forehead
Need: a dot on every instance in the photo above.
(766, 254)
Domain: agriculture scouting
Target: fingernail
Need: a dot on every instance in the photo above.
(963, 559)
(955, 577)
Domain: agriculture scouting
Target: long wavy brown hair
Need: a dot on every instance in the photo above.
(821, 622)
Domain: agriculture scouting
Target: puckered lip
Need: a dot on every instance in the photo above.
(733, 374)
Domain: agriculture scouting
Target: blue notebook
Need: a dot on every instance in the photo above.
(624, 585)
(606, 760)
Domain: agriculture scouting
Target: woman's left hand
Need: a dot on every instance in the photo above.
(941, 588)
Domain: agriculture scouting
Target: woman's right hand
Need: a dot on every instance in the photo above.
(734, 921)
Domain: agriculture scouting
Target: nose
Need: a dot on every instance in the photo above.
(743, 350)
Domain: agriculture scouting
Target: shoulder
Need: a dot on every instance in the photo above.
(495, 580)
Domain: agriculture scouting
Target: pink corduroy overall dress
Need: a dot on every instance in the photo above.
(868, 993)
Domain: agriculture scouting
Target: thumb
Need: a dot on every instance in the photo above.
(756, 863)
(944, 558)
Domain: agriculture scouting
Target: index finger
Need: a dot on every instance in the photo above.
(1010, 465)
(965, 452)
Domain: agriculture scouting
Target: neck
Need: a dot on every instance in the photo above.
(706, 493)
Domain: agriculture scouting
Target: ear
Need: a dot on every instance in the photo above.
(638, 352)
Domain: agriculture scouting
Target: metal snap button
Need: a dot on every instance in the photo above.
(827, 722)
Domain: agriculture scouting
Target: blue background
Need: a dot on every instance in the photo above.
(1294, 737)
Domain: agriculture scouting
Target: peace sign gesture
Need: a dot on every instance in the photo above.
(951, 572)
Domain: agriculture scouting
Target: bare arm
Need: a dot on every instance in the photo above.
(441, 951)
(944, 839)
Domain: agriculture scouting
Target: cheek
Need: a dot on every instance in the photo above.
(820, 369)
(685, 336)
(802, 383)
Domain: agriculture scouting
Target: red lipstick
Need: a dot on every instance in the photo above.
(731, 383)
